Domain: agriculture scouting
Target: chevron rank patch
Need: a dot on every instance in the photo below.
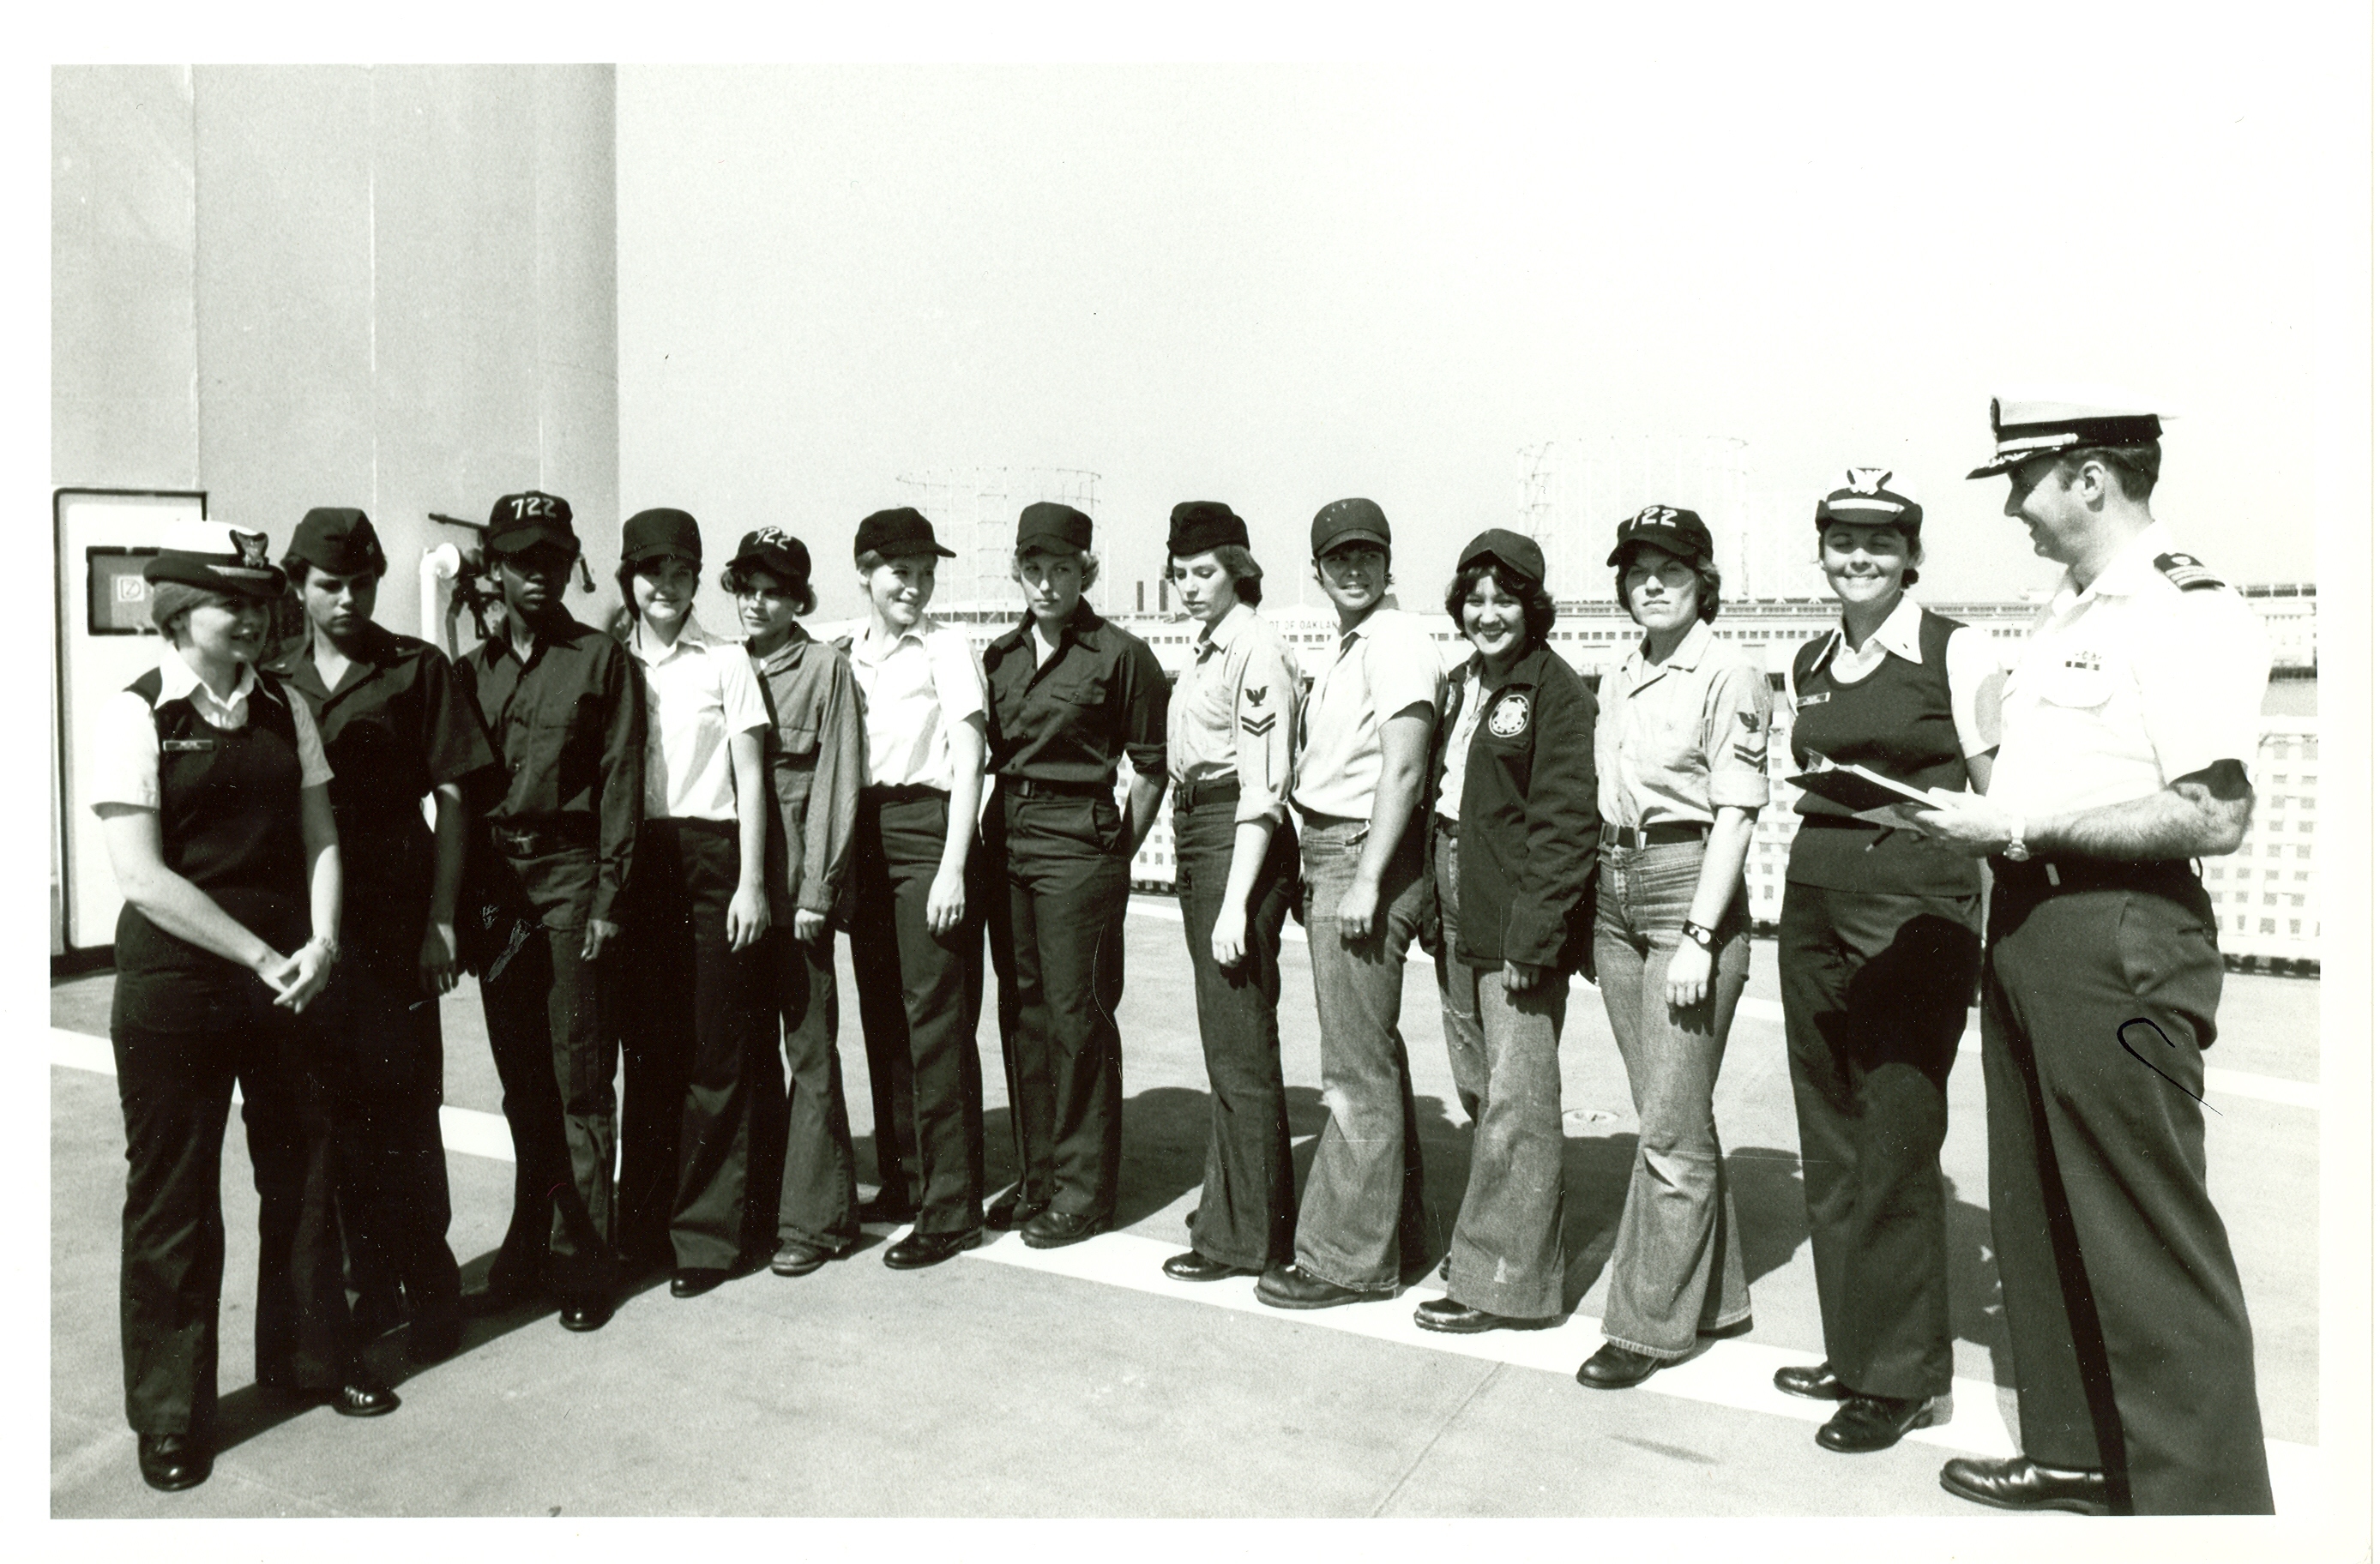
(1257, 726)
(2185, 572)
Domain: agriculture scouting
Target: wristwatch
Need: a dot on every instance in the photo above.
(1698, 934)
(2016, 852)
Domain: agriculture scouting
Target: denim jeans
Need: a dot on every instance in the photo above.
(1508, 1245)
(1677, 1268)
(1361, 1220)
(1247, 1209)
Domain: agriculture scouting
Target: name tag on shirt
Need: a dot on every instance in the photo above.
(180, 745)
(1818, 699)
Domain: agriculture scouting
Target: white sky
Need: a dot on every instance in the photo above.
(1276, 286)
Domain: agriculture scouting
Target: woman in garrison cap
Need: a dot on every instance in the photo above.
(1680, 764)
(1876, 955)
(213, 793)
(1512, 845)
(1230, 727)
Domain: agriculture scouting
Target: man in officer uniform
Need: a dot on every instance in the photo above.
(395, 731)
(564, 709)
(2127, 729)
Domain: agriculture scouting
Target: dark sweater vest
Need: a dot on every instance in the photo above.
(1897, 722)
(228, 817)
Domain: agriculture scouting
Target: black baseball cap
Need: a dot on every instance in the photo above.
(1200, 526)
(218, 558)
(1507, 547)
(1668, 529)
(337, 538)
(901, 530)
(651, 533)
(1044, 523)
(774, 549)
(1863, 501)
(1349, 521)
(521, 521)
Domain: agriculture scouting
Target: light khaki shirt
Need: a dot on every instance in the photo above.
(1235, 712)
(1677, 741)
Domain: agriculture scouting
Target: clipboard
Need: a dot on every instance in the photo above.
(1860, 790)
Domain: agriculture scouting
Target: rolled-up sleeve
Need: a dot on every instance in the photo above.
(1735, 737)
(1264, 721)
(1145, 696)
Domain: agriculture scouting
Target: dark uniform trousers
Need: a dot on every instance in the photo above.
(803, 1187)
(1066, 871)
(175, 1088)
(1247, 1208)
(547, 1027)
(378, 1033)
(919, 998)
(692, 1013)
(1874, 989)
(2124, 1308)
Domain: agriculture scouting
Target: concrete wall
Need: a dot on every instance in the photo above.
(390, 287)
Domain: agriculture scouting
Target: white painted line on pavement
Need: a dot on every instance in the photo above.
(1733, 1374)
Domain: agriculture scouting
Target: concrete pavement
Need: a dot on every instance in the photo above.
(1081, 1383)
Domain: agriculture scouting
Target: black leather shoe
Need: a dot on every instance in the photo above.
(885, 1208)
(693, 1282)
(1055, 1230)
(1615, 1367)
(1287, 1287)
(1012, 1210)
(586, 1314)
(428, 1341)
(2021, 1483)
(170, 1462)
(1817, 1382)
(1461, 1320)
(1877, 1422)
(919, 1250)
(361, 1400)
(799, 1257)
(1194, 1267)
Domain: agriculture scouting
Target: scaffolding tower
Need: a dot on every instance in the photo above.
(973, 511)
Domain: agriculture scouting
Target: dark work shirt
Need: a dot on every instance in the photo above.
(395, 728)
(568, 727)
(1067, 720)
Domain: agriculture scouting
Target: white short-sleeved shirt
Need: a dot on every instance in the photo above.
(1972, 668)
(1677, 741)
(1459, 735)
(1385, 664)
(2127, 684)
(912, 689)
(127, 771)
(699, 693)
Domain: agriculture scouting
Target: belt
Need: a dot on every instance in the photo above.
(528, 841)
(1653, 836)
(883, 793)
(1207, 790)
(2063, 877)
(1035, 787)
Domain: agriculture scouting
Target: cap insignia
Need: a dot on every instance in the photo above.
(1868, 480)
(251, 549)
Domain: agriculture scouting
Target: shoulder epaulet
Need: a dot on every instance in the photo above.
(2185, 572)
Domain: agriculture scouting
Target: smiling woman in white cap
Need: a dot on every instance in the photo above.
(213, 793)
(1877, 950)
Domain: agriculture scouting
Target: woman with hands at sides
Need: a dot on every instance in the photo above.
(1230, 727)
(1681, 763)
(215, 800)
(1512, 832)
(693, 997)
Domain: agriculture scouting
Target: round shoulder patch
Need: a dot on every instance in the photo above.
(1511, 715)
